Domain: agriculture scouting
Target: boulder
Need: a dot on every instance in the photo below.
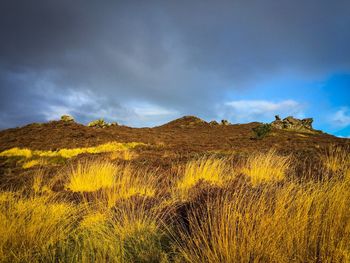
(67, 118)
(225, 122)
(213, 123)
(100, 123)
(294, 124)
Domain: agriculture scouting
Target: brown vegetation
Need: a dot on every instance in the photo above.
(174, 198)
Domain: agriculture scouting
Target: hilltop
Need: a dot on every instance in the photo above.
(188, 133)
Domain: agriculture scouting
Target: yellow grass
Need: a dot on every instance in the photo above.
(210, 170)
(31, 226)
(69, 153)
(35, 162)
(128, 183)
(336, 159)
(17, 152)
(116, 182)
(90, 177)
(133, 216)
(268, 167)
(295, 223)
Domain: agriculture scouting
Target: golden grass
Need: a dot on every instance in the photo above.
(336, 159)
(129, 183)
(268, 167)
(90, 177)
(35, 162)
(17, 152)
(133, 216)
(69, 153)
(31, 226)
(292, 223)
(115, 182)
(210, 170)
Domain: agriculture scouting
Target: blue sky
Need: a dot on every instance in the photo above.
(143, 63)
(326, 100)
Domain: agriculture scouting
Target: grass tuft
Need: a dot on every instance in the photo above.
(90, 177)
(268, 167)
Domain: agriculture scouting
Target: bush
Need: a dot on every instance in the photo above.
(262, 130)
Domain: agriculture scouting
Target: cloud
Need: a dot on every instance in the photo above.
(341, 118)
(178, 56)
(260, 110)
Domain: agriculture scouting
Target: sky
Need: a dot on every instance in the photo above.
(143, 63)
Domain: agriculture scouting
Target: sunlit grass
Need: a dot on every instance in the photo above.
(29, 227)
(266, 167)
(90, 177)
(35, 162)
(210, 170)
(292, 223)
(69, 153)
(336, 159)
(128, 214)
(17, 152)
(129, 183)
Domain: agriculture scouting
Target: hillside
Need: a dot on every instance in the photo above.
(185, 191)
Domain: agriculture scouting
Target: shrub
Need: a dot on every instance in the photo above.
(262, 131)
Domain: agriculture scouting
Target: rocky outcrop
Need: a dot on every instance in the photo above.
(101, 123)
(225, 122)
(213, 123)
(67, 118)
(294, 124)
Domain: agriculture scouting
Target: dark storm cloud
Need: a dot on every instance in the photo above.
(100, 57)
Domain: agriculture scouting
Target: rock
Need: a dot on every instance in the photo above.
(225, 122)
(213, 123)
(67, 118)
(294, 124)
(100, 123)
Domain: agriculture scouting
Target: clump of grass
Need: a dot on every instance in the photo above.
(266, 167)
(30, 227)
(110, 182)
(90, 177)
(129, 183)
(210, 170)
(336, 159)
(301, 223)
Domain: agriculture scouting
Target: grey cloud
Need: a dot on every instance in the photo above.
(179, 55)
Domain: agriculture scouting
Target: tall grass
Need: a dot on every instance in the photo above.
(289, 223)
(124, 214)
(30, 227)
(266, 167)
(336, 159)
(208, 169)
(91, 176)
